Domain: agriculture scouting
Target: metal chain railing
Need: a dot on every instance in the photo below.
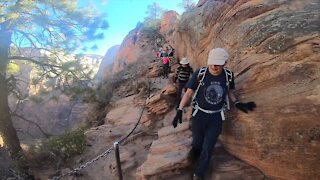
(76, 170)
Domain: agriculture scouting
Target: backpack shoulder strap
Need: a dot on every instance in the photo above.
(201, 75)
(229, 78)
(229, 74)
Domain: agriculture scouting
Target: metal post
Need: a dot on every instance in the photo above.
(117, 154)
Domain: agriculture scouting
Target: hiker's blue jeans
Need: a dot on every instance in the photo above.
(165, 70)
(181, 87)
(205, 131)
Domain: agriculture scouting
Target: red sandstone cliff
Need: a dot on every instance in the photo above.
(275, 52)
(168, 26)
(136, 46)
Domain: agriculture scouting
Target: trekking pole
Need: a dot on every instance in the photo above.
(117, 154)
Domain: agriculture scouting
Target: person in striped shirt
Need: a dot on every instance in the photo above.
(182, 75)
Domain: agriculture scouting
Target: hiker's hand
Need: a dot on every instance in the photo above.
(175, 79)
(245, 107)
(177, 118)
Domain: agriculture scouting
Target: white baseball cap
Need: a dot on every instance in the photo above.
(218, 56)
(184, 60)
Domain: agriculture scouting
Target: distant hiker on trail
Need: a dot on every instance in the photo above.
(165, 63)
(171, 51)
(164, 52)
(159, 52)
(182, 75)
(210, 89)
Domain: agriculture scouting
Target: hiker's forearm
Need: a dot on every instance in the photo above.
(186, 98)
(233, 98)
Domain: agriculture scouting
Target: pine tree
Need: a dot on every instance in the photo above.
(53, 28)
(153, 18)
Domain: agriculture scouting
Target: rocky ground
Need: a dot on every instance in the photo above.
(155, 150)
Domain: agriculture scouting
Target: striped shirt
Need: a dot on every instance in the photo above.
(183, 73)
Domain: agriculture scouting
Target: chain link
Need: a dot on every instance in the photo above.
(74, 171)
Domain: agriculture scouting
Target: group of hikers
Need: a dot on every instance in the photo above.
(166, 54)
(211, 89)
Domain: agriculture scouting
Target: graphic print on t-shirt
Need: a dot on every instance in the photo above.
(213, 93)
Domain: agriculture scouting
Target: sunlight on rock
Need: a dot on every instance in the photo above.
(1, 142)
(25, 147)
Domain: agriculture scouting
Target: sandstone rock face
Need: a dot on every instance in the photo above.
(226, 167)
(125, 112)
(155, 150)
(161, 102)
(167, 153)
(168, 25)
(274, 53)
(201, 2)
(105, 68)
(136, 46)
(102, 138)
(155, 69)
(120, 121)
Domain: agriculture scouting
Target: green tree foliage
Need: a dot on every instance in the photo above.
(13, 68)
(42, 33)
(153, 18)
(64, 146)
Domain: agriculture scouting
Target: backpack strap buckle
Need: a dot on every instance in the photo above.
(197, 108)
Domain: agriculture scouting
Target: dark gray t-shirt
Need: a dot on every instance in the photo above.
(211, 95)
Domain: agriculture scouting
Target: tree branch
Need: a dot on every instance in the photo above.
(73, 104)
(31, 122)
(28, 38)
(17, 106)
(33, 61)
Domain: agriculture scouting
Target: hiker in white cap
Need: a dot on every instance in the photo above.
(182, 75)
(210, 89)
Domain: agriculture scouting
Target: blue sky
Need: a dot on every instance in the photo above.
(122, 16)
